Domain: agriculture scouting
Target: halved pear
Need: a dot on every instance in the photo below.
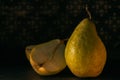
(47, 58)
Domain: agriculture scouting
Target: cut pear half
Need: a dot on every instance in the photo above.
(47, 58)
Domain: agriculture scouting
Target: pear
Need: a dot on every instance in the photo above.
(47, 58)
(85, 53)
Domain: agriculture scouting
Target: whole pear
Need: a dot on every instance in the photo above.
(85, 53)
(47, 58)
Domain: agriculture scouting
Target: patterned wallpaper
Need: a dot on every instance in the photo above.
(24, 22)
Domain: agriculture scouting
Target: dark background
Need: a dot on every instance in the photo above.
(26, 22)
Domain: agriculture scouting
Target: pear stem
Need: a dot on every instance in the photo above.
(88, 12)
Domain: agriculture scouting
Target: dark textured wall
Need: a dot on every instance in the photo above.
(25, 22)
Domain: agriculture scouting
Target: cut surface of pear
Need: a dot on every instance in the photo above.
(85, 53)
(48, 58)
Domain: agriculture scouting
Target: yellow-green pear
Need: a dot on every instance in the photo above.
(47, 58)
(85, 52)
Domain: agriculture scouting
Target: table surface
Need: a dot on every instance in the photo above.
(25, 72)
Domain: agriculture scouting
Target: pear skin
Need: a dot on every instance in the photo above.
(85, 53)
(47, 58)
(28, 50)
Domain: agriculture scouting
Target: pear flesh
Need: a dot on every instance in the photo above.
(85, 53)
(47, 58)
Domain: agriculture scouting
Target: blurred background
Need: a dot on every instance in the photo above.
(26, 22)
